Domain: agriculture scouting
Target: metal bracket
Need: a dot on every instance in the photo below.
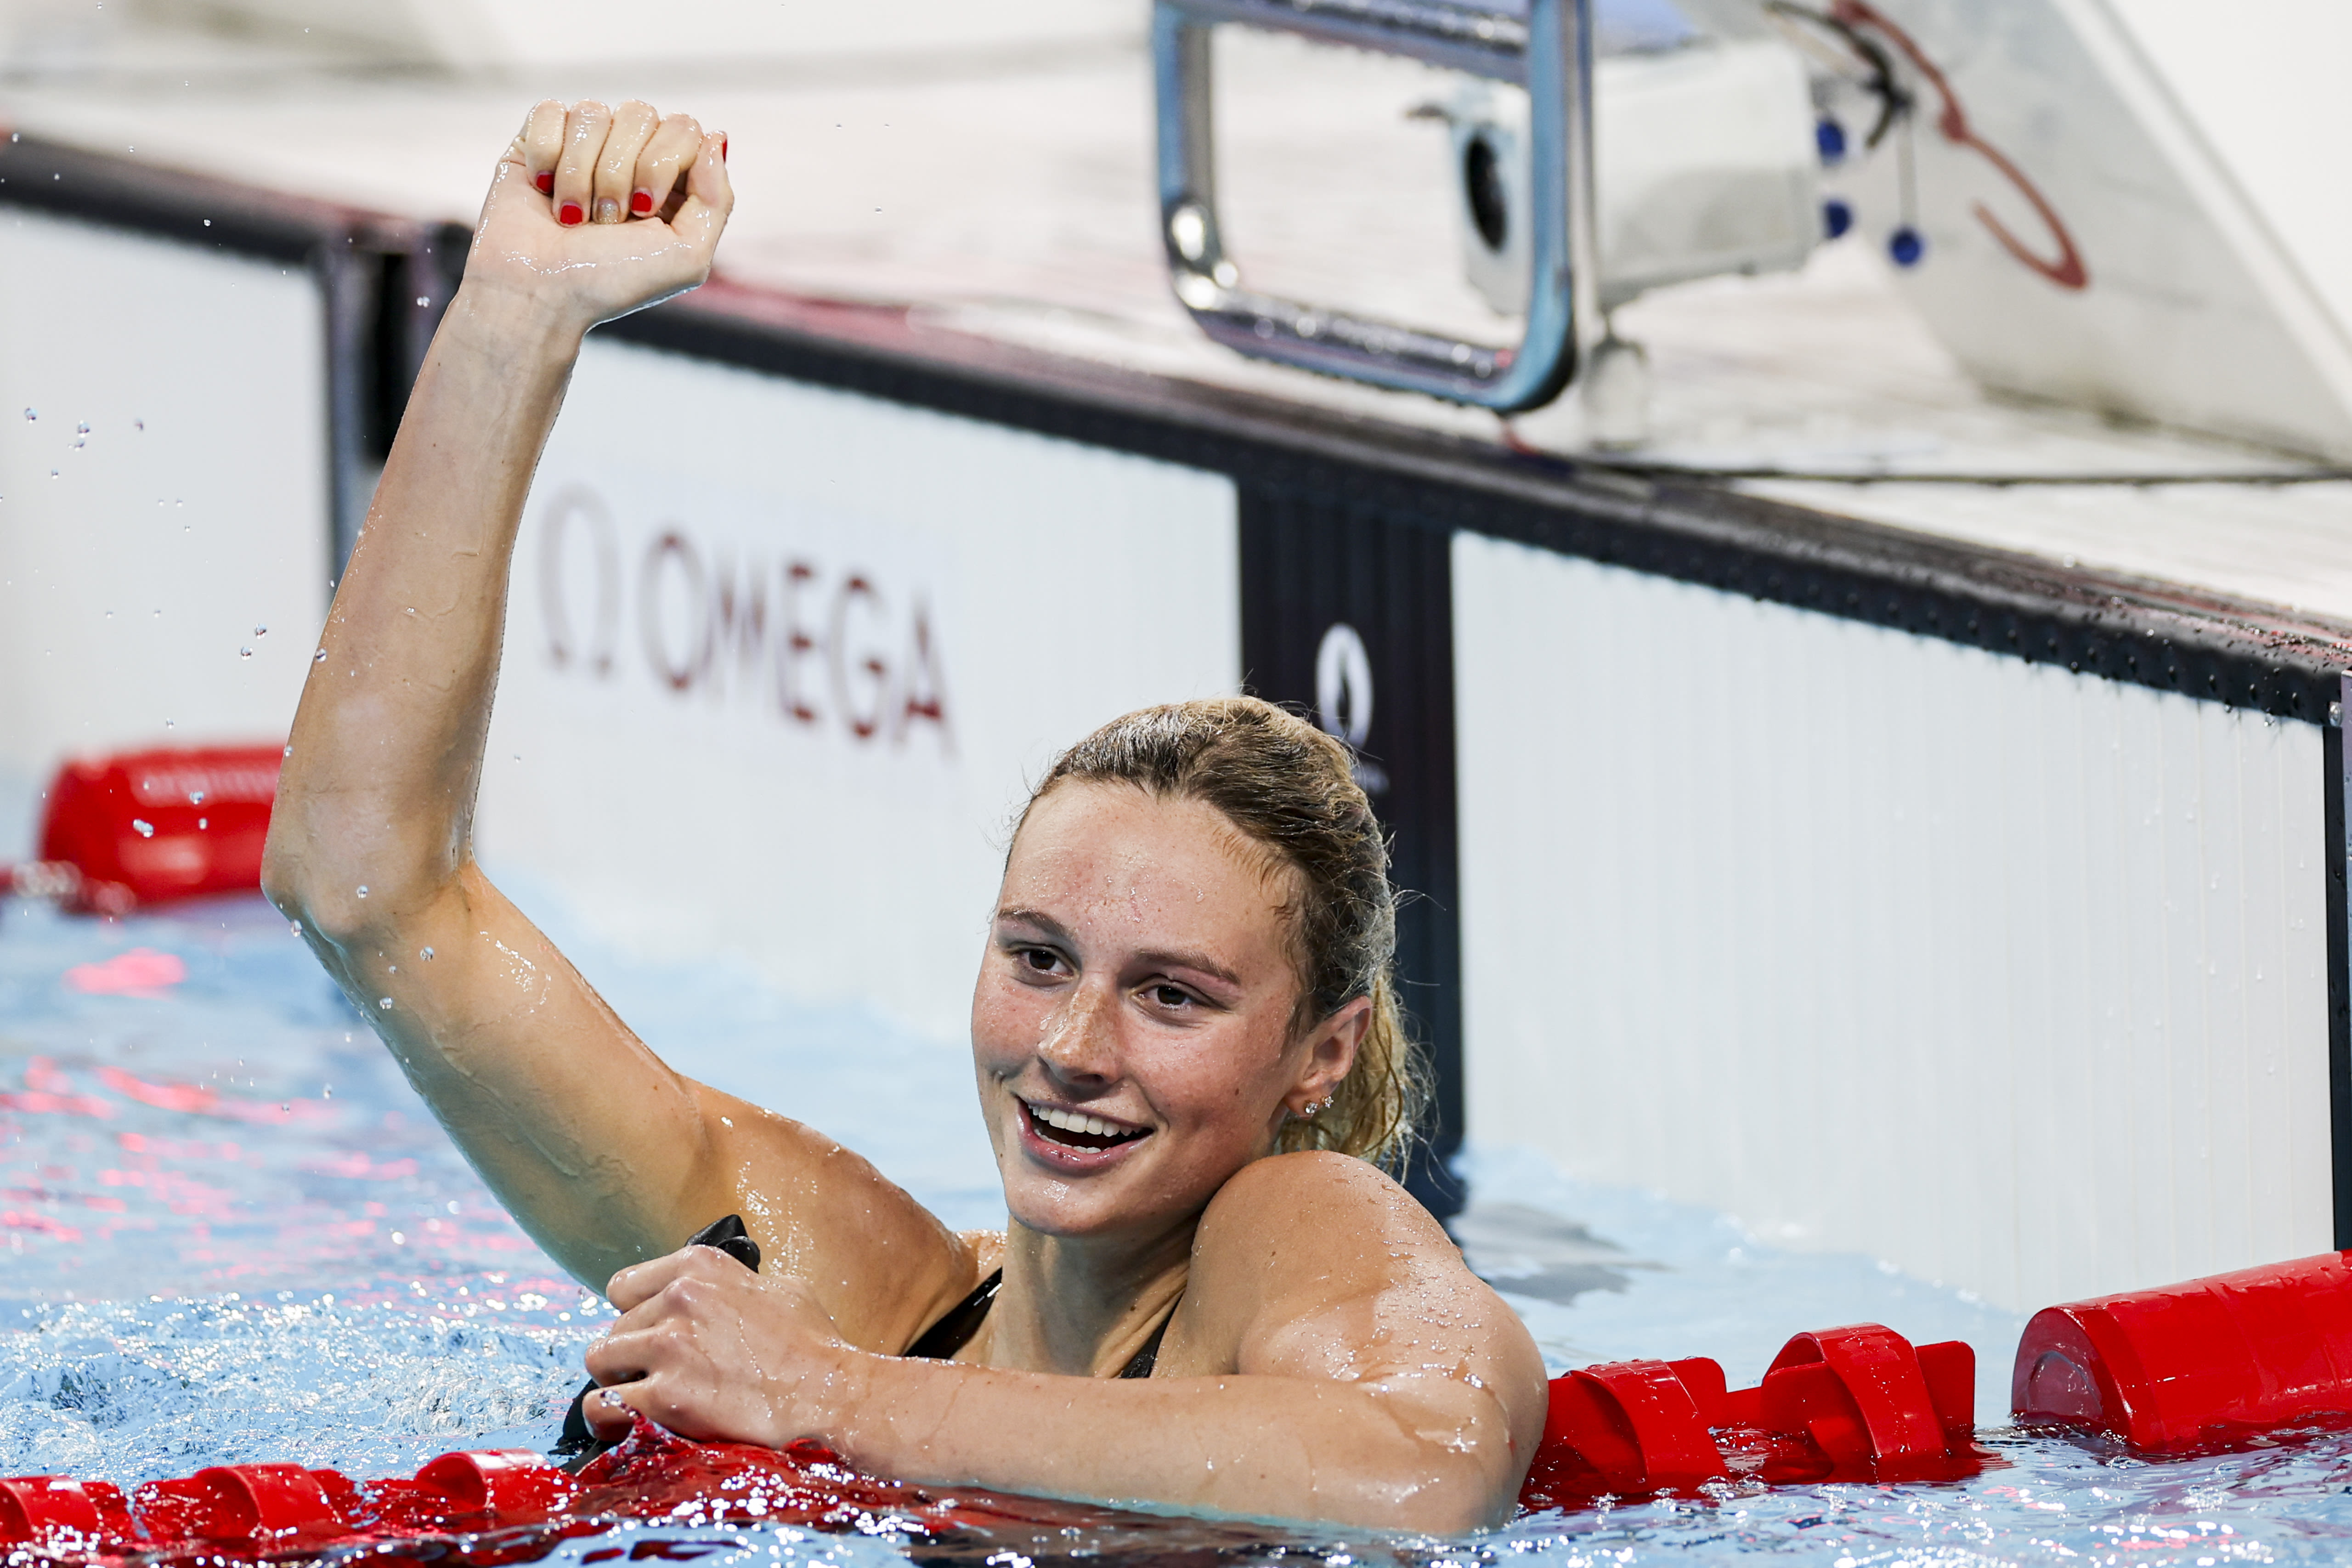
(1542, 45)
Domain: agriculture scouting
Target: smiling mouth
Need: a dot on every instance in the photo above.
(1076, 1130)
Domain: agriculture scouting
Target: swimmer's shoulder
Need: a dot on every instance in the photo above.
(1306, 1264)
(1318, 1221)
(1315, 1189)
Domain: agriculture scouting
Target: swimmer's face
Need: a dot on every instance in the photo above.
(1132, 1023)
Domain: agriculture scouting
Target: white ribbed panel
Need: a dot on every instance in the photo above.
(170, 498)
(2012, 977)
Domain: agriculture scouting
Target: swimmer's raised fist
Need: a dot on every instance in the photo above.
(596, 211)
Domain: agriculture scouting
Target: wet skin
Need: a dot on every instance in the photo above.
(1134, 1028)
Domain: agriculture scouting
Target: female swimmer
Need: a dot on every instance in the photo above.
(1182, 1030)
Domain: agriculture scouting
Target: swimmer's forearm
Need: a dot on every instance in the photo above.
(379, 786)
(1369, 1453)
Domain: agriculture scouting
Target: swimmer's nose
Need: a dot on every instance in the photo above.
(1077, 1047)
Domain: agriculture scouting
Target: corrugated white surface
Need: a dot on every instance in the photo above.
(2012, 977)
(170, 498)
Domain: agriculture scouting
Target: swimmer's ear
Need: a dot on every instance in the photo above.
(1331, 1054)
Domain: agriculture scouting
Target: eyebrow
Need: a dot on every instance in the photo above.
(1161, 958)
(1043, 922)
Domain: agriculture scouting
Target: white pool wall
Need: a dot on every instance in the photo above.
(139, 555)
(2011, 976)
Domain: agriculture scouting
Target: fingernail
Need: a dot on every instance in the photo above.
(722, 146)
(607, 210)
(571, 213)
(641, 202)
(545, 180)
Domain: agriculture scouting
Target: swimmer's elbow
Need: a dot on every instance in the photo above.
(338, 899)
(304, 890)
(329, 923)
(1448, 1504)
(1426, 1520)
(1444, 1473)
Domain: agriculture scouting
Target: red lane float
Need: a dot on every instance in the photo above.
(146, 828)
(1846, 1404)
(1851, 1404)
(2205, 1363)
(491, 1506)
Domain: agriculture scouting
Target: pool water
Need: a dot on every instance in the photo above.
(230, 1231)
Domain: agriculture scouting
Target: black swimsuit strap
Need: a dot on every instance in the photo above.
(1149, 1356)
(960, 1323)
(954, 1330)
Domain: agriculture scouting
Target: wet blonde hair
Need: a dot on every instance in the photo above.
(1291, 789)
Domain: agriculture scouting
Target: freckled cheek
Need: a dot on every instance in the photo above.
(1007, 1021)
(1194, 1089)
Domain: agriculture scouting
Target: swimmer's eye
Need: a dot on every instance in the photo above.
(1038, 960)
(1171, 997)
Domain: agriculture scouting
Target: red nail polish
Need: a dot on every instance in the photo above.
(545, 180)
(722, 149)
(571, 213)
(641, 202)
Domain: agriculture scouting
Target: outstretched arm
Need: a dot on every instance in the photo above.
(603, 1154)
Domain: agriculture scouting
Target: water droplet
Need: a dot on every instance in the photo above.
(363, 889)
(318, 657)
(245, 653)
(297, 927)
(385, 1003)
(261, 631)
(32, 413)
(80, 430)
(426, 954)
(423, 301)
(203, 823)
(145, 829)
(139, 425)
(196, 797)
(167, 723)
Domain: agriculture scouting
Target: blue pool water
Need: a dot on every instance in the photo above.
(229, 1232)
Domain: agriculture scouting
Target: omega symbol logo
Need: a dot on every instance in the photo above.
(1343, 698)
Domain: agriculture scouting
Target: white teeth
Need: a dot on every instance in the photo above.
(1077, 1122)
